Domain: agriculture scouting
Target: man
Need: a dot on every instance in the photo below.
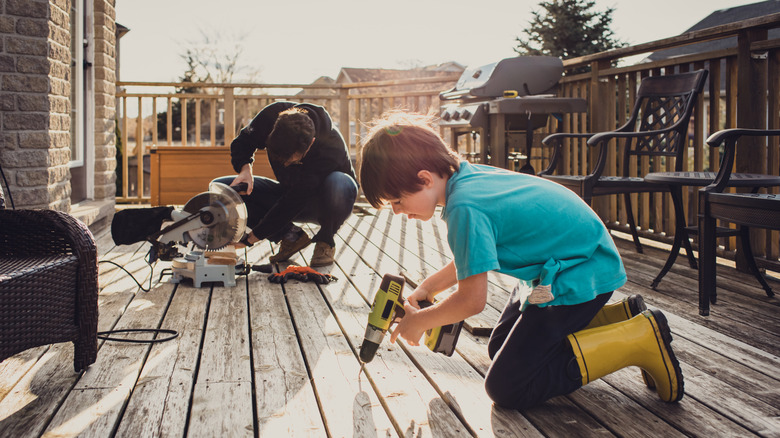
(315, 181)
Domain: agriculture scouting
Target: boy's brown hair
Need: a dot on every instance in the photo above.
(397, 148)
(292, 133)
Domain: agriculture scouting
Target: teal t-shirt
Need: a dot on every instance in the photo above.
(532, 229)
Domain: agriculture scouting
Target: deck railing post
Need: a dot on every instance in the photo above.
(599, 112)
(344, 116)
(751, 113)
(230, 115)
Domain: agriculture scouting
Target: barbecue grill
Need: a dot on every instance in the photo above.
(495, 102)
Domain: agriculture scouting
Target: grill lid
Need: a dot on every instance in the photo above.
(528, 75)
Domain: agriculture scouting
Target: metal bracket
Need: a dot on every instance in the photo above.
(759, 55)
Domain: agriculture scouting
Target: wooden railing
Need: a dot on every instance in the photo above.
(743, 91)
(219, 111)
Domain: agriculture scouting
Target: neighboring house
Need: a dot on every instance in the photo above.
(349, 75)
(57, 106)
(717, 18)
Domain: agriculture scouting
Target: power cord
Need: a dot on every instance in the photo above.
(106, 335)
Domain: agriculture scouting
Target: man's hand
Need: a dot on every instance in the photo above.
(248, 239)
(245, 176)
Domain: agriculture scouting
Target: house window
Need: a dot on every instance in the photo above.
(77, 83)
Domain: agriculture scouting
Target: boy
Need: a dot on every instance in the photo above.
(536, 231)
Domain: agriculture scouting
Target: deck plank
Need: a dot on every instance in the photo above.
(221, 402)
(285, 400)
(159, 405)
(391, 374)
(333, 368)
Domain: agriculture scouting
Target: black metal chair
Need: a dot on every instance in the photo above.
(657, 127)
(744, 209)
(48, 283)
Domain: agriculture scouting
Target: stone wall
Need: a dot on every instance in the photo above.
(34, 102)
(35, 106)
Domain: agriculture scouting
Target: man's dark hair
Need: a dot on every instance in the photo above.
(293, 132)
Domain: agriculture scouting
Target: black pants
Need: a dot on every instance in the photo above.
(532, 359)
(335, 201)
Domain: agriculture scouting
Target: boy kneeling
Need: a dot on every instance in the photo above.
(555, 333)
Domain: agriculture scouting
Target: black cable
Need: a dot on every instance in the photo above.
(105, 335)
(151, 274)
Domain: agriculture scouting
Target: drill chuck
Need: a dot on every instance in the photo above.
(371, 343)
(368, 351)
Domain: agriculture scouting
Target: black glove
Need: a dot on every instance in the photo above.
(301, 273)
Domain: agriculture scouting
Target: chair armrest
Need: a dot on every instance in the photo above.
(555, 140)
(609, 135)
(730, 137)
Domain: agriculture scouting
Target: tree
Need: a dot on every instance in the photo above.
(568, 29)
(214, 58)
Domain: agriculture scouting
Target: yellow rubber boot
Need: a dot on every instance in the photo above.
(625, 309)
(643, 341)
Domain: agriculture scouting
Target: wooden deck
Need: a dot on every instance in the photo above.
(261, 359)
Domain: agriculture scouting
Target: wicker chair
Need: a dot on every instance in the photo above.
(48, 283)
(657, 127)
(744, 209)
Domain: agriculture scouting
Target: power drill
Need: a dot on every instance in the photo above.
(388, 304)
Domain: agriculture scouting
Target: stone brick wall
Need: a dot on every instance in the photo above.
(34, 101)
(105, 98)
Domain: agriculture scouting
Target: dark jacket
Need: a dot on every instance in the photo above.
(301, 182)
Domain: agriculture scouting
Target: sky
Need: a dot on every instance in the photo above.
(284, 41)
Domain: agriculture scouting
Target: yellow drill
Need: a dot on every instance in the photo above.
(388, 303)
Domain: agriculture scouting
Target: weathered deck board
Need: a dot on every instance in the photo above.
(391, 374)
(261, 359)
(285, 400)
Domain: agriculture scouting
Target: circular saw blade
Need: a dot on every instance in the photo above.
(224, 217)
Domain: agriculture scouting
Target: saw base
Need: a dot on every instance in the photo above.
(195, 266)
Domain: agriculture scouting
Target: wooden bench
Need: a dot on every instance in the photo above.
(180, 172)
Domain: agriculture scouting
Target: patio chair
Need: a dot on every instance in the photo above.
(657, 127)
(744, 209)
(48, 283)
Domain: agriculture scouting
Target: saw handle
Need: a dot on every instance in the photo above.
(240, 187)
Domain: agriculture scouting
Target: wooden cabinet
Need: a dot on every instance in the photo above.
(180, 172)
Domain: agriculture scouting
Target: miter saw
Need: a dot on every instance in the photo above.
(208, 223)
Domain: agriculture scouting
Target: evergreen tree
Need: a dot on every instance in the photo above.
(568, 29)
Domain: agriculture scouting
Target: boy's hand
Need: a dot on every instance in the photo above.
(410, 327)
(418, 295)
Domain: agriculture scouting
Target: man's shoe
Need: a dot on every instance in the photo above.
(289, 247)
(323, 254)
